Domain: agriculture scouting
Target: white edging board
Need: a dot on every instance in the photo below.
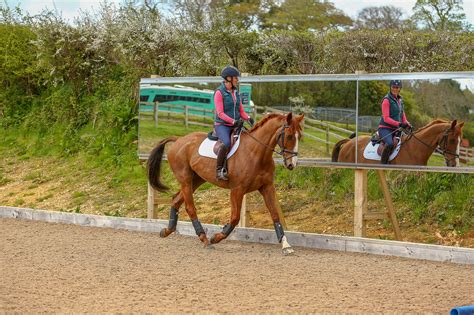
(459, 255)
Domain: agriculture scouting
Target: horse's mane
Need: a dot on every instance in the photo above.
(434, 122)
(265, 119)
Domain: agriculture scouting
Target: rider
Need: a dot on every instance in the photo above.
(230, 114)
(393, 117)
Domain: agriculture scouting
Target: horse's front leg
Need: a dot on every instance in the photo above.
(269, 195)
(236, 197)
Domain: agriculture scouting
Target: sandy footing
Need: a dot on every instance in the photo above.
(47, 267)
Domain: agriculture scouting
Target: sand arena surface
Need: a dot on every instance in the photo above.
(49, 267)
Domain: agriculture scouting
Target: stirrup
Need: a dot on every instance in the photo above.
(221, 174)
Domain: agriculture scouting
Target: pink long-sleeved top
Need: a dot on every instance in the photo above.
(219, 103)
(386, 116)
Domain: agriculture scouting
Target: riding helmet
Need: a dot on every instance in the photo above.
(230, 71)
(396, 83)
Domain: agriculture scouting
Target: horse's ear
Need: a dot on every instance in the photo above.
(461, 125)
(289, 117)
(300, 117)
(453, 124)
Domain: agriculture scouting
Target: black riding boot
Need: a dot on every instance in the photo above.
(387, 150)
(221, 169)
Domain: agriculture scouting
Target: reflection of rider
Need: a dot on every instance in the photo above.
(393, 117)
(230, 114)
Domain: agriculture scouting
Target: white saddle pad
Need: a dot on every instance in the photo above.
(207, 146)
(370, 151)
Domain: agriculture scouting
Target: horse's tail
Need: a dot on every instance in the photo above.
(338, 146)
(154, 164)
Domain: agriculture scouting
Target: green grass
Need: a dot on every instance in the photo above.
(41, 199)
(4, 180)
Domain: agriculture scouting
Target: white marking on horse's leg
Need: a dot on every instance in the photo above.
(458, 148)
(294, 159)
(286, 247)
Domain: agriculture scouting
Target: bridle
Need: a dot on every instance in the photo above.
(441, 146)
(281, 136)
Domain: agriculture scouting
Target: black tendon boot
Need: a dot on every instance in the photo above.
(386, 153)
(221, 170)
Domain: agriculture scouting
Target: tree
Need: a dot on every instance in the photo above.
(442, 99)
(384, 17)
(244, 12)
(440, 15)
(303, 15)
(218, 32)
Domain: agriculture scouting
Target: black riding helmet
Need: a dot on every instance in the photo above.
(396, 83)
(230, 71)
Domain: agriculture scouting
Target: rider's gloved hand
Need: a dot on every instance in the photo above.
(251, 122)
(238, 123)
(403, 125)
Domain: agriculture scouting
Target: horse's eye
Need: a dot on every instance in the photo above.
(452, 141)
(290, 137)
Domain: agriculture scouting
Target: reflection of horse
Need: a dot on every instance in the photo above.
(250, 168)
(440, 135)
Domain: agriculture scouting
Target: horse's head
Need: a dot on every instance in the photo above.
(288, 136)
(449, 142)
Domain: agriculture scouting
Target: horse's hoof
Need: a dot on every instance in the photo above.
(287, 251)
(216, 238)
(163, 233)
(209, 246)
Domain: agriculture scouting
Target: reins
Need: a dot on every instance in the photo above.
(282, 145)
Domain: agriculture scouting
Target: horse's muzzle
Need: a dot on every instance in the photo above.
(290, 166)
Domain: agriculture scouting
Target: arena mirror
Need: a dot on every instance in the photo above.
(339, 109)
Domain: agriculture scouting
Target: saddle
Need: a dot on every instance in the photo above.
(209, 147)
(377, 140)
(373, 149)
(213, 137)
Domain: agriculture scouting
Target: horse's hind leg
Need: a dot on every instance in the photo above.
(176, 203)
(236, 197)
(187, 193)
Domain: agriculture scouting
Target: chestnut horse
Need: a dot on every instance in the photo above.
(250, 168)
(439, 135)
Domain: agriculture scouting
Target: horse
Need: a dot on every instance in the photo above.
(251, 168)
(439, 135)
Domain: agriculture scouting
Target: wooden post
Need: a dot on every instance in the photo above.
(151, 211)
(155, 113)
(327, 138)
(186, 116)
(244, 214)
(360, 202)
(388, 200)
